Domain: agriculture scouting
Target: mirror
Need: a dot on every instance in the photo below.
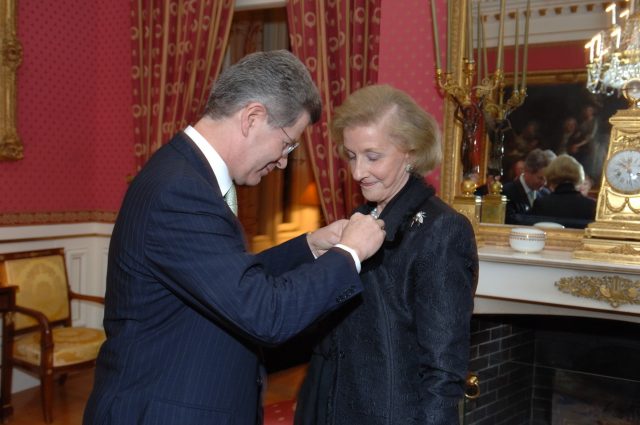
(543, 19)
(10, 59)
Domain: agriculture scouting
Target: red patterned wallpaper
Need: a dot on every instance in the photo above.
(73, 109)
(407, 55)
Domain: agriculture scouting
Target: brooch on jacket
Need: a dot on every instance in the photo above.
(418, 218)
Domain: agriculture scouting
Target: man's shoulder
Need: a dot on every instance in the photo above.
(511, 186)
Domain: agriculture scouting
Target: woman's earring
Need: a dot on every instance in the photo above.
(408, 168)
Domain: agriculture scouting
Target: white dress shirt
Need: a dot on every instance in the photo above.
(221, 172)
(215, 161)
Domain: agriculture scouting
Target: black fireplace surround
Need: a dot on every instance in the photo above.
(552, 370)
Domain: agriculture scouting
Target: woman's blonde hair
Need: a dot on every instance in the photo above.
(412, 129)
(564, 169)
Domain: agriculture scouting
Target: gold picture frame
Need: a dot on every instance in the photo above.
(10, 59)
(451, 172)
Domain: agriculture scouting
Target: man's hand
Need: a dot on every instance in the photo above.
(326, 237)
(364, 234)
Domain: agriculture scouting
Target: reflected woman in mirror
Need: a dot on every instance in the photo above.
(565, 175)
(399, 354)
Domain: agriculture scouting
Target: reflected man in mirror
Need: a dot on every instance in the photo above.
(529, 186)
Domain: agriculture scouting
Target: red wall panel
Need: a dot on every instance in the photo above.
(407, 59)
(73, 108)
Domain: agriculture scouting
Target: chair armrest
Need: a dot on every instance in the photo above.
(46, 336)
(84, 297)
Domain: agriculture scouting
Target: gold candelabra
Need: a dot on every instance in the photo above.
(470, 106)
(480, 99)
(497, 110)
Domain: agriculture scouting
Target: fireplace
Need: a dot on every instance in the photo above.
(552, 370)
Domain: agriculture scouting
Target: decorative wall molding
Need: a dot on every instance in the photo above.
(10, 59)
(614, 290)
(56, 217)
(552, 21)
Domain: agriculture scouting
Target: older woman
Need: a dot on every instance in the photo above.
(398, 355)
(564, 176)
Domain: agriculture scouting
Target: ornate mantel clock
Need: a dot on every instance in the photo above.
(615, 233)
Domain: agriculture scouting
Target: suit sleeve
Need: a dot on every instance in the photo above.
(445, 289)
(288, 255)
(197, 251)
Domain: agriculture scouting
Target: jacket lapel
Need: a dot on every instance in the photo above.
(196, 158)
(403, 207)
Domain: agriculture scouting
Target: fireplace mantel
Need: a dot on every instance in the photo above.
(517, 283)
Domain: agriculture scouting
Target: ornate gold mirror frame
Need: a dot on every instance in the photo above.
(10, 59)
(451, 173)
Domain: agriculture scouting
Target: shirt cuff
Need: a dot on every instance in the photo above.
(353, 254)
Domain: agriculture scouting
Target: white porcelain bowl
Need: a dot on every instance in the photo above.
(527, 239)
(548, 225)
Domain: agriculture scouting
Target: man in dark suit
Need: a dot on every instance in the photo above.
(528, 186)
(187, 307)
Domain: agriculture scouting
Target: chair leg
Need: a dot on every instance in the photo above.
(46, 392)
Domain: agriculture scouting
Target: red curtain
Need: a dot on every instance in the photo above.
(177, 52)
(339, 42)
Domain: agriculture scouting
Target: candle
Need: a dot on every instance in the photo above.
(515, 53)
(479, 46)
(526, 47)
(484, 51)
(449, 32)
(500, 36)
(469, 33)
(589, 46)
(612, 8)
(435, 33)
(616, 33)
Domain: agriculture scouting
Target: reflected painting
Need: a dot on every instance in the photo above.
(567, 119)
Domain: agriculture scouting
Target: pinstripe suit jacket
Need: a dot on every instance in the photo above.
(187, 306)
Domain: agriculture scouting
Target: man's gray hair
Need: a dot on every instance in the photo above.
(277, 79)
(538, 159)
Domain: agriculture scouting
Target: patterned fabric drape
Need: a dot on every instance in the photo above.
(339, 42)
(177, 48)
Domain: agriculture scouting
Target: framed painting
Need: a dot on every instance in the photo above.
(10, 59)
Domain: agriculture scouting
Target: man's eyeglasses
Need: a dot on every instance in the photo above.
(289, 147)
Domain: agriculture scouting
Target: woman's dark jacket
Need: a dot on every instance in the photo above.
(565, 201)
(399, 354)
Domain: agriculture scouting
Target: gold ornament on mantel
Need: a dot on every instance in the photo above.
(494, 205)
(615, 234)
(614, 290)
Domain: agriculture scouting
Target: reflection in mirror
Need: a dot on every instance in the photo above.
(10, 59)
(561, 116)
(566, 28)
